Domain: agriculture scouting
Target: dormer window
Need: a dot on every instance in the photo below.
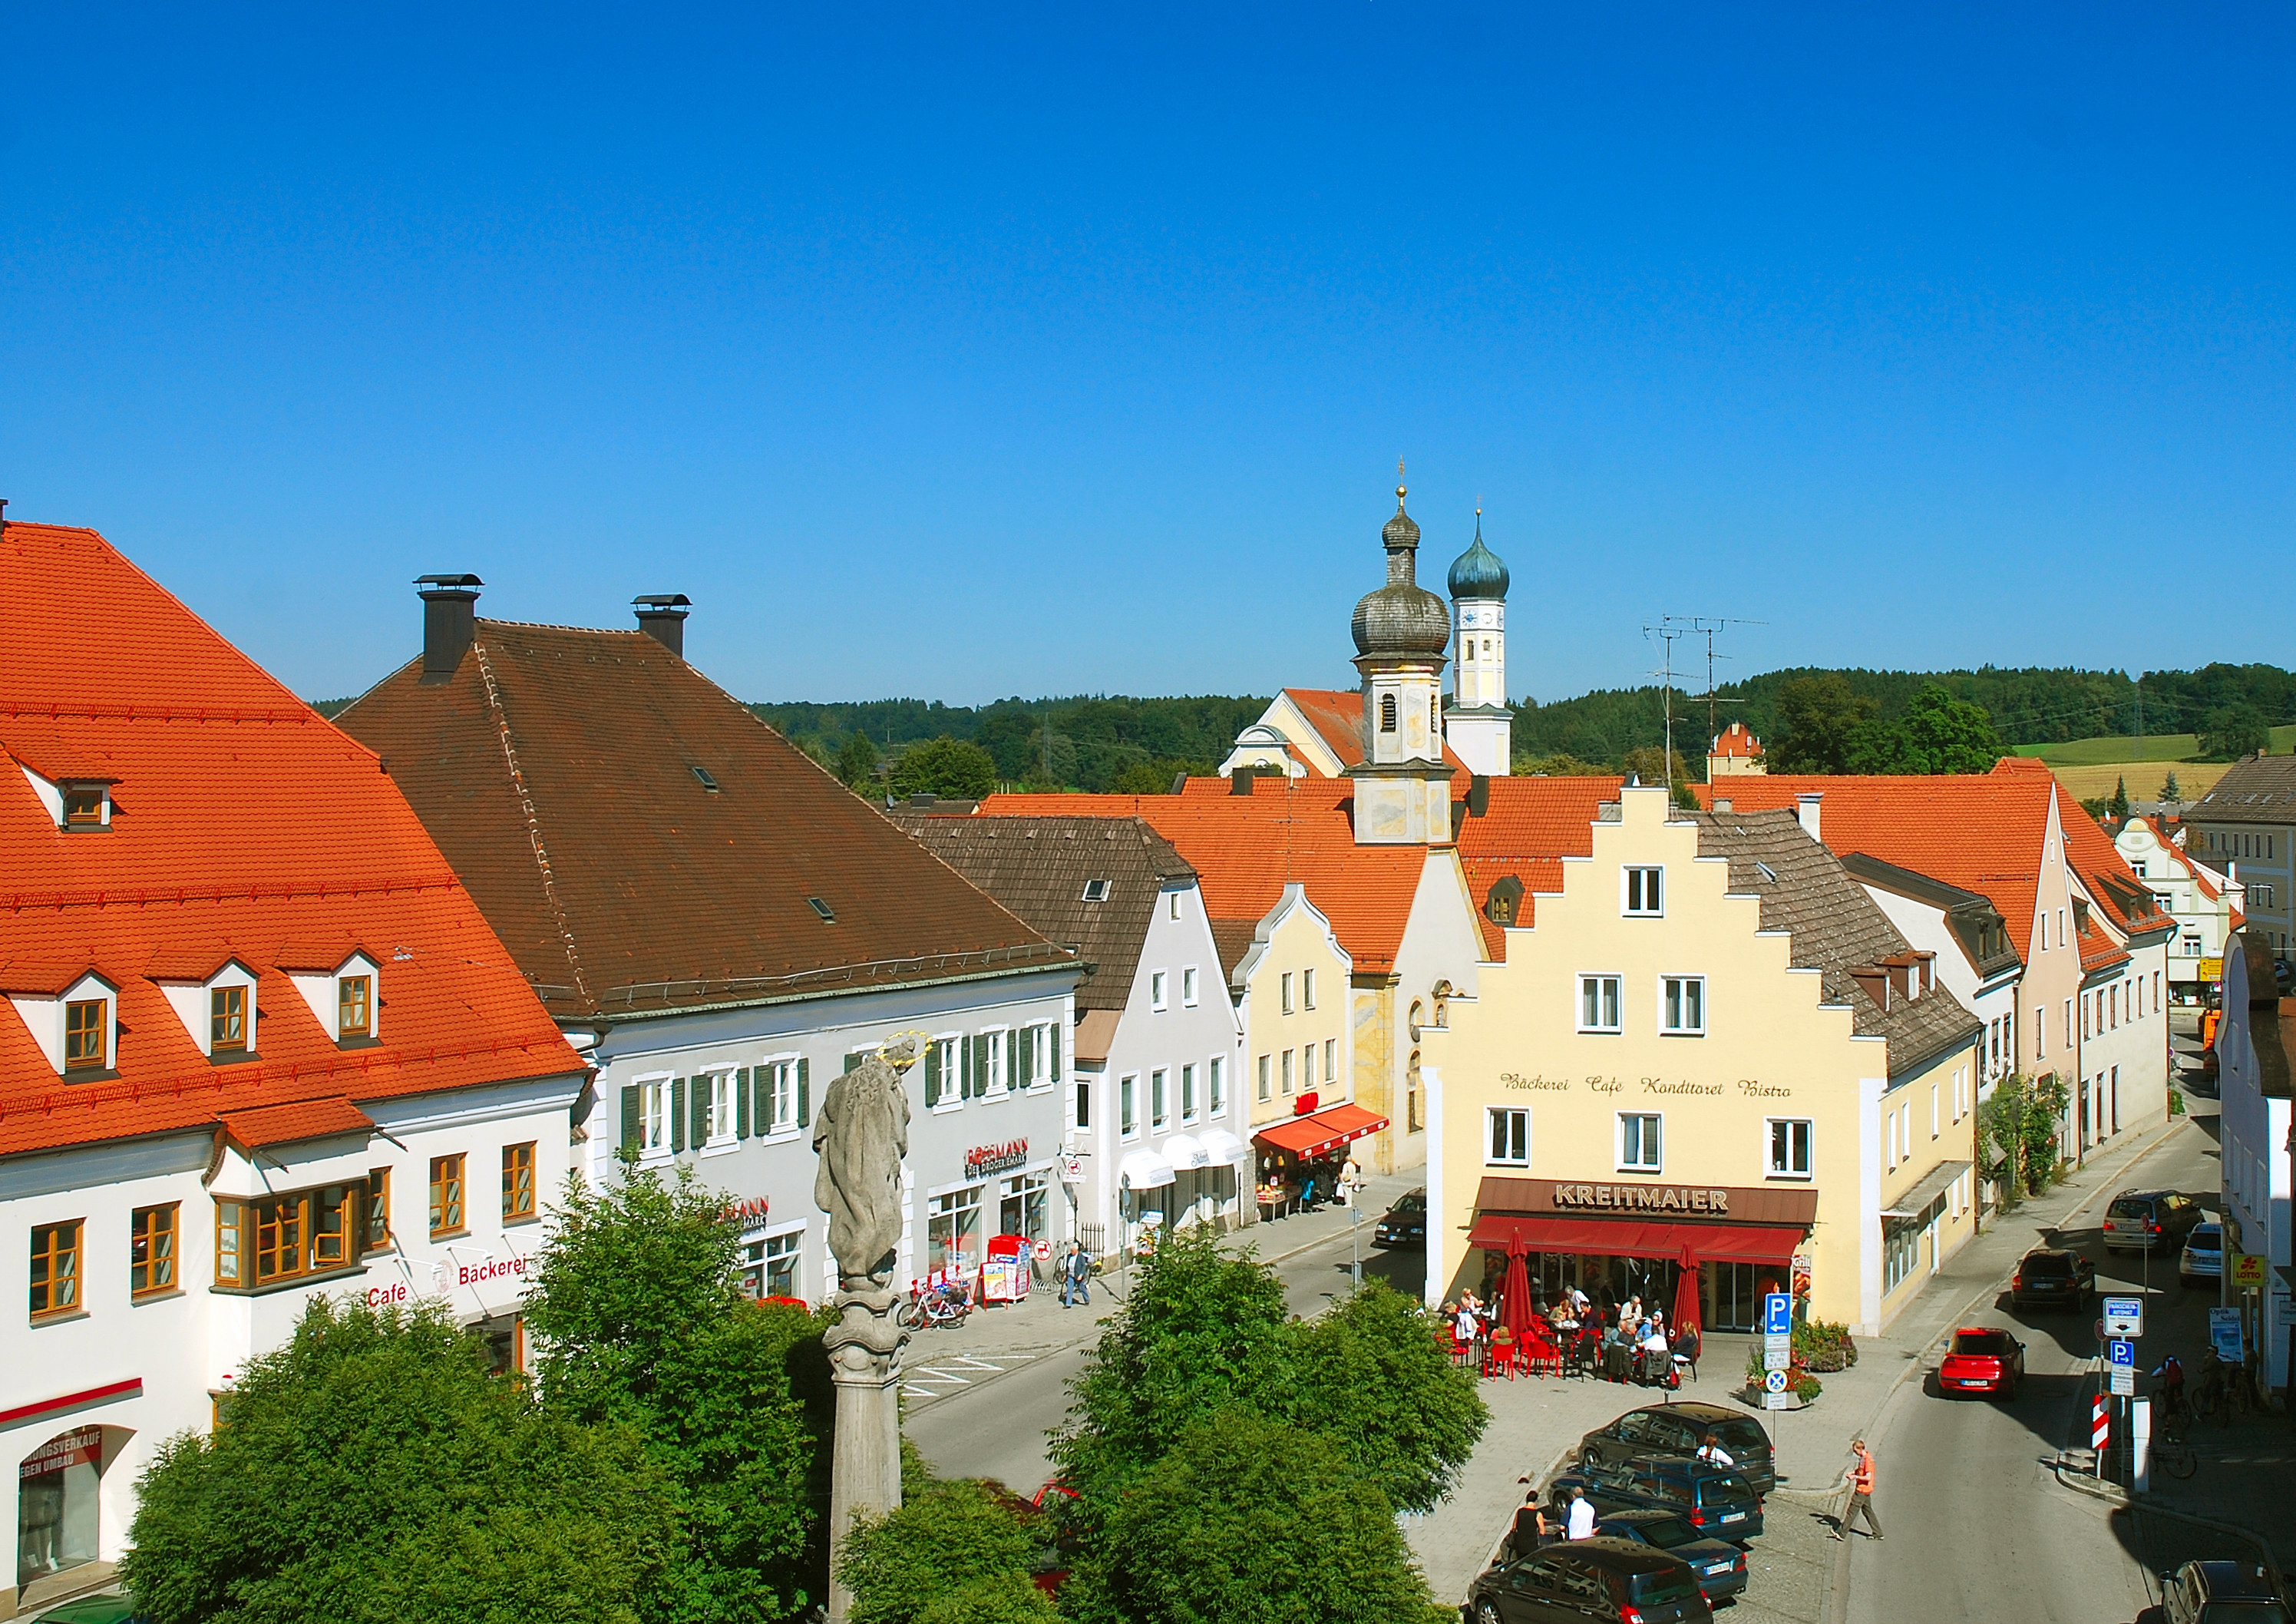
(354, 1007)
(87, 1035)
(228, 1020)
(342, 990)
(87, 806)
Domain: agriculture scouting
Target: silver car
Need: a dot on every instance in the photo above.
(2203, 1257)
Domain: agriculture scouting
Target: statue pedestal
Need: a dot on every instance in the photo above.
(864, 1474)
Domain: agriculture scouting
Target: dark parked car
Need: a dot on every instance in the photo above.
(2221, 1593)
(1404, 1224)
(1675, 1429)
(1720, 1566)
(2051, 1277)
(2150, 1220)
(1589, 1579)
(1712, 1499)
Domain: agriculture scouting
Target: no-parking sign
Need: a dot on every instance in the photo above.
(1774, 1381)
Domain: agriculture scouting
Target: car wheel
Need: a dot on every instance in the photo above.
(1485, 1613)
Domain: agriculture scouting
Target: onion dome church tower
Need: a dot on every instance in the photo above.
(1479, 724)
(1402, 632)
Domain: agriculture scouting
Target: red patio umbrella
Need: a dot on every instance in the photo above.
(1686, 1295)
(1515, 1301)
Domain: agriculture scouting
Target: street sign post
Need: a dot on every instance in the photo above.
(1777, 1313)
(2124, 1381)
(2124, 1316)
(2120, 1353)
(1775, 1382)
(1777, 1353)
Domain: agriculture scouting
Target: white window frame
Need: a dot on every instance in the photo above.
(1159, 993)
(1191, 1107)
(1786, 1171)
(1652, 908)
(1666, 1027)
(1331, 1060)
(1616, 997)
(780, 1097)
(1000, 1062)
(1128, 1104)
(1514, 1122)
(1308, 988)
(653, 1115)
(1285, 1067)
(1159, 1099)
(1189, 993)
(1216, 1087)
(1307, 1068)
(766, 1238)
(1657, 1130)
(952, 1072)
(1287, 992)
(725, 1110)
(1266, 1077)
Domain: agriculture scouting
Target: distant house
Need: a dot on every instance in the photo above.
(2248, 819)
(1734, 753)
(723, 928)
(2205, 903)
(2257, 1046)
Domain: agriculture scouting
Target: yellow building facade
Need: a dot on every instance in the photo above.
(1710, 1050)
(1292, 993)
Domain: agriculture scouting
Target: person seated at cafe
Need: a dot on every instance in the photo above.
(1654, 1336)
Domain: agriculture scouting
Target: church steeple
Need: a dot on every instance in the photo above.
(1480, 724)
(1401, 634)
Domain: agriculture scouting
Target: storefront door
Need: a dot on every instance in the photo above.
(1021, 1206)
(57, 1505)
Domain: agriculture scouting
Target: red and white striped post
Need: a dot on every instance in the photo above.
(2099, 1430)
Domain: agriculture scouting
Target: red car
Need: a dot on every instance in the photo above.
(1982, 1359)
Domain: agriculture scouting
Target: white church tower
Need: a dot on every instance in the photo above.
(1479, 724)
(1403, 786)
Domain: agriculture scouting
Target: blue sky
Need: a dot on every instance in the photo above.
(966, 351)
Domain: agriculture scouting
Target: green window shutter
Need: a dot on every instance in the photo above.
(742, 1102)
(676, 1113)
(1056, 1051)
(701, 1098)
(630, 1116)
(932, 1074)
(804, 1095)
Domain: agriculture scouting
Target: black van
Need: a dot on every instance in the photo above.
(1587, 1578)
(1715, 1500)
(1677, 1429)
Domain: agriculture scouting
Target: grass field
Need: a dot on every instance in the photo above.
(2160, 747)
(2195, 779)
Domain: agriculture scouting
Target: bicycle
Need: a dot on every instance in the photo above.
(2175, 1456)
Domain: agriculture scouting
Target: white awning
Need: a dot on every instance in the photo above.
(1225, 1148)
(1185, 1154)
(1143, 1171)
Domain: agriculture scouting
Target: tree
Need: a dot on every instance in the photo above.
(2119, 804)
(2233, 731)
(1938, 733)
(638, 1316)
(1817, 715)
(2019, 1147)
(2172, 791)
(374, 1469)
(955, 1551)
(953, 768)
(1249, 1519)
(1155, 777)
(1649, 764)
(857, 762)
(1561, 764)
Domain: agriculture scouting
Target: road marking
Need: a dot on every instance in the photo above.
(995, 1364)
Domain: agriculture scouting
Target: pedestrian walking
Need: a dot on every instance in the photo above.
(1076, 1277)
(1860, 1478)
(1581, 1520)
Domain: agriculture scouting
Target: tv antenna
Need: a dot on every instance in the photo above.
(1667, 628)
(1706, 626)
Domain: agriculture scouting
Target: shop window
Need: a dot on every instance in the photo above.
(354, 1005)
(1510, 1136)
(151, 1250)
(1638, 1142)
(1789, 1147)
(518, 1182)
(55, 1269)
(57, 1488)
(1642, 892)
(1215, 1085)
(770, 1267)
(953, 1228)
(284, 1237)
(1159, 1112)
(378, 1210)
(447, 1192)
(505, 1345)
(1598, 1004)
(85, 1048)
(1682, 1005)
(1021, 1206)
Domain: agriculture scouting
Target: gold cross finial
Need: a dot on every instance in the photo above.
(1399, 484)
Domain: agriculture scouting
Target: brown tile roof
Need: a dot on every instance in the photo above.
(2255, 790)
(556, 768)
(1836, 929)
(1039, 868)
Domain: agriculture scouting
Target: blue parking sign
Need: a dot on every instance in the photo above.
(2119, 1352)
(1777, 1313)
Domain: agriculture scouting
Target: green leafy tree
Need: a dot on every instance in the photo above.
(2230, 731)
(2019, 1149)
(1945, 734)
(857, 762)
(955, 768)
(1156, 777)
(955, 1551)
(1247, 1519)
(374, 1470)
(1817, 715)
(1561, 764)
(638, 1316)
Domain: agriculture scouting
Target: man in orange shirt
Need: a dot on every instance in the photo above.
(1860, 1478)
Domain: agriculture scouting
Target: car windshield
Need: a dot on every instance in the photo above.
(1668, 1532)
(1652, 1589)
(2245, 1612)
(1739, 1435)
(2133, 1207)
(1413, 1203)
(2046, 1264)
(1994, 1342)
(1725, 1487)
(2207, 1238)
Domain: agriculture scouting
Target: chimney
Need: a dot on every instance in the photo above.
(662, 616)
(1806, 814)
(449, 621)
(1479, 795)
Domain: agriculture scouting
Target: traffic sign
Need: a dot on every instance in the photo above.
(2120, 1353)
(2124, 1316)
(1775, 1382)
(1776, 1401)
(2247, 1270)
(1777, 1352)
(1777, 1313)
(2124, 1381)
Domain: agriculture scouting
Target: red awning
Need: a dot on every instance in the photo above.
(1631, 1238)
(1325, 1130)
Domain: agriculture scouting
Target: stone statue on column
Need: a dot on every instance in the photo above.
(861, 1133)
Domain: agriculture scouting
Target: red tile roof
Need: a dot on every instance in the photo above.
(243, 822)
(1336, 714)
(1736, 742)
(2105, 873)
(270, 1125)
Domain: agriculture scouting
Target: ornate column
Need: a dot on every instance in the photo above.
(865, 1475)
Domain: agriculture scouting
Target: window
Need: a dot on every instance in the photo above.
(1095, 891)
(82, 805)
(941, 1070)
(55, 1269)
(1156, 1000)
(776, 1096)
(1789, 1152)
(1172, 902)
(1331, 1058)
(1215, 1085)
(1084, 1104)
(518, 1181)
(997, 1049)
(1510, 1136)
(1188, 987)
(770, 1267)
(446, 1213)
(354, 1005)
(151, 1250)
(1900, 1251)
(85, 1049)
(1934, 1111)
(1287, 1070)
(281, 1237)
(1638, 1143)
(378, 1210)
(1682, 1001)
(1264, 1091)
(1021, 1206)
(1287, 992)
(1641, 891)
(1598, 1004)
(953, 1228)
(1308, 988)
(1187, 1093)
(719, 1103)
(227, 1019)
(1126, 1123)
(1159, 1118)
(653, 1116)
(1387, 713)
(1306, 1066)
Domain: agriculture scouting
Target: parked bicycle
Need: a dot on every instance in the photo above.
(2173, 1456)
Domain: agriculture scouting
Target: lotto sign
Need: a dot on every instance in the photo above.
(1777, 1313)
(1775, 1382)
(2124, 1316)
(2248, 1271)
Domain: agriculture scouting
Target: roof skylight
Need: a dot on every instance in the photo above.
(707, 782)
(1095, 891)
(828, 915)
